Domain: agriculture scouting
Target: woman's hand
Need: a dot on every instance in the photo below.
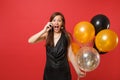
(81, 74)
(40, 35)
(48, 27)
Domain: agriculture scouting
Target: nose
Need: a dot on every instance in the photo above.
(56, 23)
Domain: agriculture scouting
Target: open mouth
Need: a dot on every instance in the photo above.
(56, 26)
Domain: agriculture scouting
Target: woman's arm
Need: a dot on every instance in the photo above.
(37, 37)
(73, 60)
(40, 35)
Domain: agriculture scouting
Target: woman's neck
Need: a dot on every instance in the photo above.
(57, 33)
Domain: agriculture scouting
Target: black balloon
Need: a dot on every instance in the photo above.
(100, 22)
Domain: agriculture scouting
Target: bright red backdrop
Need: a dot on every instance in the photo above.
(19, 19)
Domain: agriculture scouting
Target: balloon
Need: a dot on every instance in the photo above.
(106, 40)
(84, 32)
(75, 47)
(100, 22)
(88, 59)
(98, 50)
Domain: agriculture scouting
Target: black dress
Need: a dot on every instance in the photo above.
(57, 67)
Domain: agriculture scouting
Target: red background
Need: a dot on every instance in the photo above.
(19, 19)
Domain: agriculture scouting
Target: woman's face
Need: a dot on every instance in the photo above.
(57, 23)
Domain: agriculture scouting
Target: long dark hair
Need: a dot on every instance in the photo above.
(50, 39)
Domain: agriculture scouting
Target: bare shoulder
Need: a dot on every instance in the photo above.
(69, 35)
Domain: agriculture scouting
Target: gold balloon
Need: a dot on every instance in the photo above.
(75, 47)
(106, 40)
(88, 59)
(84, 32)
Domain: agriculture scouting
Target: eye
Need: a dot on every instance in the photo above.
(59, 20)
(53, 20)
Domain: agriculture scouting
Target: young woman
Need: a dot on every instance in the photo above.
(58, 49)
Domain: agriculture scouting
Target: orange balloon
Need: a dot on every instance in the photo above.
(84, 32)
(106, 40)
(75, 47)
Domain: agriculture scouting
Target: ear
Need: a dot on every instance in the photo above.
(61, 27)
